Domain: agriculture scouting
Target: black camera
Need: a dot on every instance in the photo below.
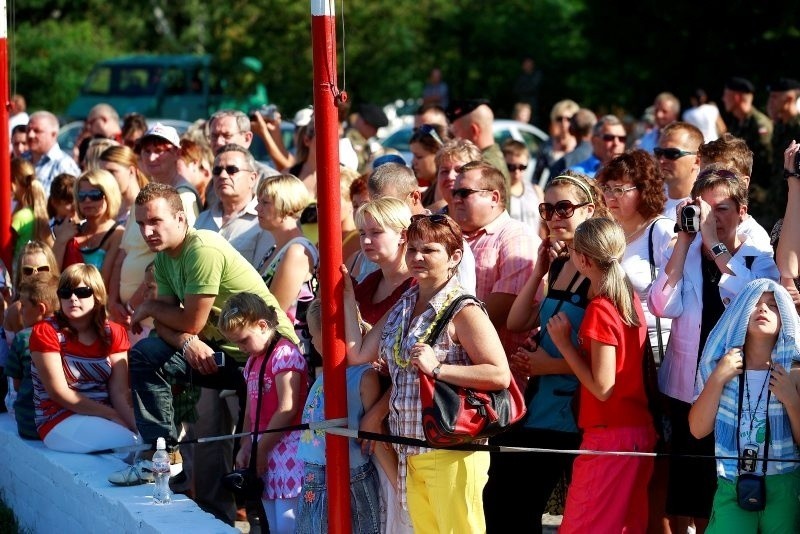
(748, 462)
(689, 220)
(268, 112)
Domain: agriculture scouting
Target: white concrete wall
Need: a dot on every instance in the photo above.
(55, 492)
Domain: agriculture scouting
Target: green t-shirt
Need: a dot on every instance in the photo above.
(22, 223)
(209, 265)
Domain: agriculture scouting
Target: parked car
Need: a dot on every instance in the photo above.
(533, 137)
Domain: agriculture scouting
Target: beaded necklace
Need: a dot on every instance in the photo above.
(398, 337)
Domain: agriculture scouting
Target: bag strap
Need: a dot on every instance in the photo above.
(651, 259)
(444, 320)
(253, 441)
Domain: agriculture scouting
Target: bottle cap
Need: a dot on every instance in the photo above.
(161, 444)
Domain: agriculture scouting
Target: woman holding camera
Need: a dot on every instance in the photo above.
(706, 270)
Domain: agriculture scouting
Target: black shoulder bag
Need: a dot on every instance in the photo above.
(751, 487)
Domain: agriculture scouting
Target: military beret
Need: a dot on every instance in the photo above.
(459, 108)
(740, 85)
(783, 84)
(373, 115)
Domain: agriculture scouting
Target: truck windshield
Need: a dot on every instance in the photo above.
(140, 80)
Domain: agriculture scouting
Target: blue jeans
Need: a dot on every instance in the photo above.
(154, 367)
(365, 506)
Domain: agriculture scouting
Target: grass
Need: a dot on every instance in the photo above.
(8, 523)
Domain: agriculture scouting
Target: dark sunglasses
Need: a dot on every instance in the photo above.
(230, 169)
(80, 292)
(672, 153)
(562, 118)
(430, 130)
(514, 167)
(464, 192)
(563, 208)
(93, 194)
(611, 137)
(28, 270)
(436, 218)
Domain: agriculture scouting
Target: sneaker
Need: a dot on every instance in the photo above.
(133, 475)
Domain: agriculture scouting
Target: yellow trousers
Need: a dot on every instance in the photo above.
(445, 491)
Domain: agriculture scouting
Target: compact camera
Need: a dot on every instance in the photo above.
(689, 220)
(268, 112)
(747, 464)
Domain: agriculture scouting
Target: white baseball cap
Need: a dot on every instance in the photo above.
(168, 133)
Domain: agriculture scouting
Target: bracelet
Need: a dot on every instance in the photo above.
(790, 174)
(185, 344)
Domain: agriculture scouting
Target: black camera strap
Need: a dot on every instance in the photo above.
(739, 417)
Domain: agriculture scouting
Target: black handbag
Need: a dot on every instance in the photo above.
(455, 415)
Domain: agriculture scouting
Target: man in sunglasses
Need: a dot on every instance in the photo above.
(678, 159)
(608, 140)
(666, 108)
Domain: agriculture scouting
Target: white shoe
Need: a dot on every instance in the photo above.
(133, 475)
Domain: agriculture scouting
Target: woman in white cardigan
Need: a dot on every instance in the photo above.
(705, 271)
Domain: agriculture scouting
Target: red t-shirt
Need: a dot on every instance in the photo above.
(371, 311)
(87, 369)
(627, 405)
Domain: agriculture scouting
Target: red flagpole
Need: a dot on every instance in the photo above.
(5, 155)
(326, 123)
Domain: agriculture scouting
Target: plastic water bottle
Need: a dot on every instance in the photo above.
(161, 492)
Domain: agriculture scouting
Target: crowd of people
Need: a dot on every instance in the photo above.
(166, 286)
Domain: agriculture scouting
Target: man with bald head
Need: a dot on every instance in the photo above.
(103, 121)
(43, 151)
(472, 120)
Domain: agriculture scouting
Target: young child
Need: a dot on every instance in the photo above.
(35, 257)
(38, 301)
(607, 493)
(80, 370)
(251, 324)
(363, 390)
(750, 403)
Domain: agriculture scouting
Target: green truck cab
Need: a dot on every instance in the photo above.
(186, 87)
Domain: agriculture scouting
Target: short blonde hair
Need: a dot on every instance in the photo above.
(388, 212)
(288, 194)
(105, 182)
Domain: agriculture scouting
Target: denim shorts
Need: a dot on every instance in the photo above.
(312, 507)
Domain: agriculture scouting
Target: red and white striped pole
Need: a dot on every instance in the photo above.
(326, 124)
(6, 253)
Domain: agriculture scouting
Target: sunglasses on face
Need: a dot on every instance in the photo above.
(608, 138)
(562, 118)
(230, 169)
(563, 208)
(428, 129)
(80, 292)
(464, 192)
(618, 191)
(671, 153)
(514, 167)
(93, 194)
(28, 270)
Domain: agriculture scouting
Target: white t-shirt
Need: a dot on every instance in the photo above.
(705, 118)
(636, 263)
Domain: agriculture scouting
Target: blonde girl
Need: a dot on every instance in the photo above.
(29, 220)
(607, 494)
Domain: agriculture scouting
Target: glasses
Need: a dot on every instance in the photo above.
(618, 191)
(672, 153)
(563, 208)
(436, 218)
(514, 167)
(430, 130)
(80, 292)
(93, 194)
(464, 192)
(28, 270)
(611, 137)
(230, 169)
(562, 118)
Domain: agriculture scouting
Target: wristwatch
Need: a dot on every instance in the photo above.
(718, 250)
(789, 174)
(436, 371)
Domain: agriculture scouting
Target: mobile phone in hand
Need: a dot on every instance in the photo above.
(219, 359)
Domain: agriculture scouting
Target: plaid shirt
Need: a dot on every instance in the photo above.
(405, 414)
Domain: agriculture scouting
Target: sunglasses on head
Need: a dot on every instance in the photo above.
(464, 192)
(563, 208)
(611, 137)
(93, 194)
(430, 130)
(80, 292)
(514, 167)
(672, 153)
(230, 169)
(28, 270)
(437, 218)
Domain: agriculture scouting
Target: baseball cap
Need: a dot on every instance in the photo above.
(168, 133)
(303, 117)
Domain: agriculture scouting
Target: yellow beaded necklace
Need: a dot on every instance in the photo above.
(398, 337)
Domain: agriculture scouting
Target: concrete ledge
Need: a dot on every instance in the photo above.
(69, 493)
